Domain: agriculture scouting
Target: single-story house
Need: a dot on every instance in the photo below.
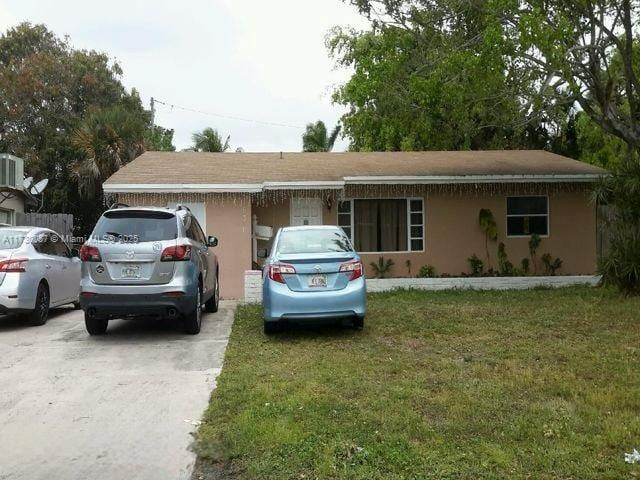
(416, 208)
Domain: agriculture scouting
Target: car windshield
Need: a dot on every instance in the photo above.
(313, 241)
(134, 226)
(11, 239)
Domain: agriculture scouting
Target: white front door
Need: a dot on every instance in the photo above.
(306, 211)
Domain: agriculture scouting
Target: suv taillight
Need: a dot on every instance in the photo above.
(355, 267)
(89, 254)
(177, 253)
(13, 265)
(278, 269)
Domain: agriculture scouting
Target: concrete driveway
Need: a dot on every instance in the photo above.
(119, 406)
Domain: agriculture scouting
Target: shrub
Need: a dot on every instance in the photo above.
(477, 265)
(551, 265)
(505, 267)
(382, 268)
(427, 271)
(534, 243)
(524, 265)
(489, 227)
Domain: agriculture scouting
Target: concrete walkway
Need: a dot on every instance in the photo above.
(121, 406)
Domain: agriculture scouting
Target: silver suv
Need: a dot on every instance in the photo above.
(148, 261)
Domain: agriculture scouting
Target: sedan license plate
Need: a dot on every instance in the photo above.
(318, 281)
(131, 271)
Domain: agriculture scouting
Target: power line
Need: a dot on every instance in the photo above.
(228, 117)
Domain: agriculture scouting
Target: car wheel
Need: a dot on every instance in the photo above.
(272, 327)
(358, 323)
(95, 326)
(40, 313)
(193, 320)
(211, 305)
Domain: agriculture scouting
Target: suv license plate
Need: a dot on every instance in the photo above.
(318, 281)
(131, 271)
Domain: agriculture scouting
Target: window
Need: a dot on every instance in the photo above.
(383, 225)
(133, 226)
(321, 240)
(6, 217)
(527, 215)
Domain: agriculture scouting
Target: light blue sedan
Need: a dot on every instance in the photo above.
(313, 273)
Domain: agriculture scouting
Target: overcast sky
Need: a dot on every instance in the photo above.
(255, 59)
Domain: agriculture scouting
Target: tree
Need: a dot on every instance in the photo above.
(108, 138)
(48, 90)
(159, 139)
(553, 54)
(432, 77)
(315, 138)
(209, 140)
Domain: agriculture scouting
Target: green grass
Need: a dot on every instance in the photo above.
(540, 384)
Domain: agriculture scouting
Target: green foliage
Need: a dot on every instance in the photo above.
(489, 227)
(534, 243)
(525, 266)
(427, 271)
(621, 191)
(382, 268)
(159, 139)
(505, 267)
(50, 90)
(316, 139)
(597, 146)
(407, 264)
(551, 265)
(476, 265)
(210, 140)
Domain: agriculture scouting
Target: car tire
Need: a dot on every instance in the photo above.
(38, 316)
(212, 304)
(358, 323)
(76, 305)
(95, 326)
(193, 321)
(272, 327)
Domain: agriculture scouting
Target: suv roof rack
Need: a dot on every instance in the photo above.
(183, 207)
(117, 205)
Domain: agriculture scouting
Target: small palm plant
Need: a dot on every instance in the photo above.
(209, 140)
(489, 227)
(382, 268)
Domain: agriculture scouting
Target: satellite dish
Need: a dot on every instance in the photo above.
(27, 182)
(39, 187)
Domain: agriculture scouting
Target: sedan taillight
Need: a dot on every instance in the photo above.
(13, 265)
(177, 253)
(355, 267)
(89, 254)
(276, 271)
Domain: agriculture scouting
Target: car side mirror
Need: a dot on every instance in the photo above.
(212, 241)
(262, 253)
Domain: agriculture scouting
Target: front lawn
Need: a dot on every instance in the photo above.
(539, 384)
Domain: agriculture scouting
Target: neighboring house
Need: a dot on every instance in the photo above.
(13, 196)
(417, 206)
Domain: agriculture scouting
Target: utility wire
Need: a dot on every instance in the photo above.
(228, 117)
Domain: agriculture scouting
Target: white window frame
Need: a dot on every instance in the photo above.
(12, 215)
(409, 224)
(507, 216)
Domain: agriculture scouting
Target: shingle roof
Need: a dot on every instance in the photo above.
(195, 168)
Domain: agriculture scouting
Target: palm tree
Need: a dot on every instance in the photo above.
(107, 140)
(315, 138)
(209, 140)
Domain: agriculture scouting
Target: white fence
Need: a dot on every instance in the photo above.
(253, 283)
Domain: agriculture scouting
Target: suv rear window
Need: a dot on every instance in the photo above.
(134, 226)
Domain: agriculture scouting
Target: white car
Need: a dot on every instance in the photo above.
(37, 271)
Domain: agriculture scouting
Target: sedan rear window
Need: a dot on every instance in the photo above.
(313, 241)
(11, 239)
(134, 226)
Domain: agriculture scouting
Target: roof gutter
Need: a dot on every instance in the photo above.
(465, 179)
(182, 188)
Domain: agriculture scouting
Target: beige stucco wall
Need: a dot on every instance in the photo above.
(15, 203)
(452, 232)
